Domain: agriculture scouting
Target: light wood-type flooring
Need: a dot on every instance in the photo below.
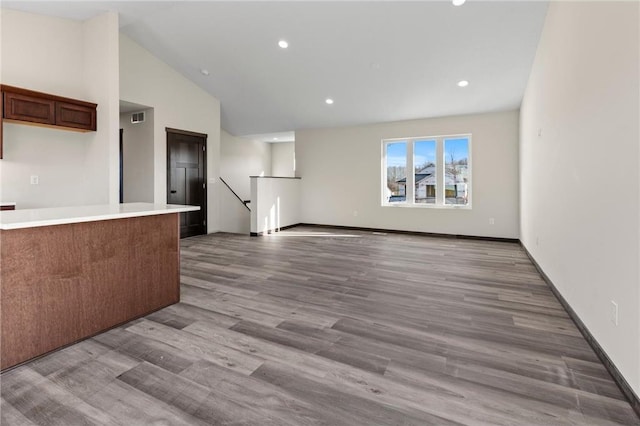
(318, 326)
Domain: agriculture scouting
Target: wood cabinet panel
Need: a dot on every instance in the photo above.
(33, 109)
(63, 283)
(1, 121)
(76, 116)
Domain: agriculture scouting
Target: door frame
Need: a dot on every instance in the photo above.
(204, 136)
(121, 167)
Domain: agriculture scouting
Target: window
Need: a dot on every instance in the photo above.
(441, 171)
(456, 171)
(396, 171)
(424, 171)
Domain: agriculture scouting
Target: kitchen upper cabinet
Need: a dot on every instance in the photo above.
(42, 109)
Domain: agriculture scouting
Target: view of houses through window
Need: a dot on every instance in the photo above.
(441, 171)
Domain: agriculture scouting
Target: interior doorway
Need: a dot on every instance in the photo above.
(137, 153)
(187, 178)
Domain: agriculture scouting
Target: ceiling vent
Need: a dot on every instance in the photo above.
(137, 117)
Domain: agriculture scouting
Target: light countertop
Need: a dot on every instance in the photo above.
(31, 218)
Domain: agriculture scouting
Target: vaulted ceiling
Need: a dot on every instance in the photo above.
(378, 60)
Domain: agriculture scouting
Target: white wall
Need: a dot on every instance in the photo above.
(137, 149)
(283, 159)
(101, 80)
(341, 170)
(241, 158)
(234, 216)
(65, 58)
(276, 203)
(178, 103)
(580, 185)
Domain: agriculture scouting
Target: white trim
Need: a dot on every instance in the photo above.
(440, 178)
(428, 206)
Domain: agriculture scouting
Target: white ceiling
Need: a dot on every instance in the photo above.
(126, 107)
(379, 60)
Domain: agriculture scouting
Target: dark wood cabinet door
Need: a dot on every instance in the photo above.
(1, 121)
(22, 107)
(75, 116)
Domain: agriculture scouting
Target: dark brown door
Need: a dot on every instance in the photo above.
(186, 178)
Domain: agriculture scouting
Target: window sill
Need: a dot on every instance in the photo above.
(429, 206)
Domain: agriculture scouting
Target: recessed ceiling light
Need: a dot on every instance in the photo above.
(275, 139)
(283, 44)
(458, 2)
(329, 101)
(204, 71)
(463, 83)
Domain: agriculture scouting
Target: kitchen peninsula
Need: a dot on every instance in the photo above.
(69, 273)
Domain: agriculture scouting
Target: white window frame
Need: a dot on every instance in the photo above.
(440, 173)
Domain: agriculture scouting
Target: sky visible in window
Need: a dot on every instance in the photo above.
(459, 147)
(424, 152)
(397, 154)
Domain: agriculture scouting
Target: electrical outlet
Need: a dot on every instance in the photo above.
(355, 213)
(614, 312)
(34, 180)
(537, 241)
(492, 221)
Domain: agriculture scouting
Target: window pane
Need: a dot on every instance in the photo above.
(424, 160)
(456, 171)
(396, 158)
